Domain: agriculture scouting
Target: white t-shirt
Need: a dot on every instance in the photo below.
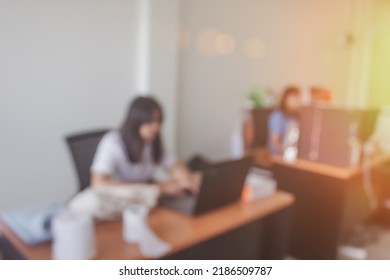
(111, 159)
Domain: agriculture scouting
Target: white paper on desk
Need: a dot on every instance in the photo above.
(261, 182)
(108, 202)
(151, 246)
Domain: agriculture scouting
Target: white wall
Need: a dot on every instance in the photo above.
(157, 59)
(359, 73)
(379, 86)
(304, 46)
(65, 66)
(163, 69)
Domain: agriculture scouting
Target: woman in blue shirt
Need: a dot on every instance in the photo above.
(281, 118)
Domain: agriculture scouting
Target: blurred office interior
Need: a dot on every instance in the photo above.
(73, 66)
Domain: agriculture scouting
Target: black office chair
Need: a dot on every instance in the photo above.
(83, 147)
(260, 122)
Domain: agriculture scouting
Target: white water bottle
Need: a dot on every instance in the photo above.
(134, 222)
(290, 152)
(73, 237)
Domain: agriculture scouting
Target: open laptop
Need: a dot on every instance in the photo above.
(222, 184)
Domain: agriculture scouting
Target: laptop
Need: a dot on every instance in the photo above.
(222, 184)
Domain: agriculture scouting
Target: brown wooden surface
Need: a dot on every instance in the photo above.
(332, 171)
(177, 229)
(316, 167)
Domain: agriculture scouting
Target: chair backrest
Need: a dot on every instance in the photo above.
(260, 122)
(83, 147)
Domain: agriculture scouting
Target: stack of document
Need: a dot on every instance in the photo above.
(260, 183)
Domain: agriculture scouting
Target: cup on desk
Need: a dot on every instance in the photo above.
(73, 237)
(135, 219)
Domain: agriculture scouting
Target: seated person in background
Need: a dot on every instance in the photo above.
(133, 153)
(280, 119)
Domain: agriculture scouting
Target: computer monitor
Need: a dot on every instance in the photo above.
(325, 133)
(260, 122)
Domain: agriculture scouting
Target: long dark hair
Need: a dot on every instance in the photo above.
(141, 111)
(289, 91)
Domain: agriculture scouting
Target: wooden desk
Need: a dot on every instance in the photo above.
(328, 170)
(182, 232)
(329, 202)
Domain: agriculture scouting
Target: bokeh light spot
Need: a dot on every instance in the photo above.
(254, 48)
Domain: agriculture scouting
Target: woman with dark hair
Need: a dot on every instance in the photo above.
(281, 118)
(133, 153)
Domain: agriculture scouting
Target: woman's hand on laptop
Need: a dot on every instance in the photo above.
(185, 179)
(196, 179)
(190, 182)
(171, 188)
(181, 186)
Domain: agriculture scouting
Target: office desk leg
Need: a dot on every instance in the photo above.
(276, 235)
(9, 251)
